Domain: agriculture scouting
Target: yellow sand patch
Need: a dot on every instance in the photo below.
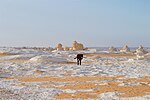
(96, 84)
(88, 62)
(67, 63)
(127, 91)
(79, 86)
(130, 80)
(48, 85)
(18, 60)
(109, 55)
(135, 80)
(75, 62)
(15, 60)
(6, 54)
(65, 79)
(77, 95)
(9, 78)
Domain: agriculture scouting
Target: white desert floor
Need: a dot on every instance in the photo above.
(27, 74)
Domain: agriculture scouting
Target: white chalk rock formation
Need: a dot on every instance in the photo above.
(112, 49)
(125, 49)
(77, 46)
(140, 51)
(59, 47)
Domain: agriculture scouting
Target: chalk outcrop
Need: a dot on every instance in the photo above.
(77, 46)
(59, 47)
(140, 51)
(112, 49)
(125, 49)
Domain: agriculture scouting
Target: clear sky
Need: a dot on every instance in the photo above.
(91, 22)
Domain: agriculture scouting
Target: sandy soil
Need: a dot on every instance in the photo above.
(110, 55)
(6, 54)
(84, 87)
(91, 87)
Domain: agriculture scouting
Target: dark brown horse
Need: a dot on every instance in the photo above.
(79, 57)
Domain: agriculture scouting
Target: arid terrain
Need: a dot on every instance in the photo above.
(29, 74)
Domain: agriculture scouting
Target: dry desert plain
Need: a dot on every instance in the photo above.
(29, 74)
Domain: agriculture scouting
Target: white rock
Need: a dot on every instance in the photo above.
(125, 49)
(112, 49)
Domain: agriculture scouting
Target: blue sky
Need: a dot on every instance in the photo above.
(91, 22)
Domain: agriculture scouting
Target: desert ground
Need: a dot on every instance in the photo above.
(30, 74)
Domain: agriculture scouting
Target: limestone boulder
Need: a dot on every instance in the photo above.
(59, 47)
(140, 51)
(112, 49)
(77, 46)
(125, 49)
